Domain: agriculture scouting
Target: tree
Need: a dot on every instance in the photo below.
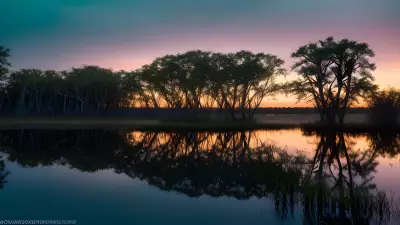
(81, 90)
(33, 91)
(333, 75)
(93, 88)
(233, 82)
(4, 64)
(242, 80)
(178, 81)
(131, 89)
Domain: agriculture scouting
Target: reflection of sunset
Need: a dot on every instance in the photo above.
(291, 141)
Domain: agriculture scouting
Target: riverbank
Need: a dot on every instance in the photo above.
(135, 124)
(126, 123)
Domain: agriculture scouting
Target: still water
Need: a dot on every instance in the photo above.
(258, 177)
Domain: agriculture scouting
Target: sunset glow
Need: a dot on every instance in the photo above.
(124, 35)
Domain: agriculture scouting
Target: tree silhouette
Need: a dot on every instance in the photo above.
(236, 83)
(335, 186)
(385, 143)
(215, 164)
(385, 107)
(196, 79)
(242, 80)
(3, 173)
(333, 75)
(338, 187)
(4, 64)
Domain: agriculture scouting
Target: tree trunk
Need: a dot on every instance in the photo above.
(243, 101)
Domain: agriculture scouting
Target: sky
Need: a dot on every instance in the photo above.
(126, 34)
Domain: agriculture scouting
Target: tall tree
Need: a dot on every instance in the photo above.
(94, 88)
(131, 89)
(243, 79)
(333, 75)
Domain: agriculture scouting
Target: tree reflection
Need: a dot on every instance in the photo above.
(334, 186)
(386, 143)
(3, 173)
(339, 188)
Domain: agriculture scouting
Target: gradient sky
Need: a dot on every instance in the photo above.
(125, 34)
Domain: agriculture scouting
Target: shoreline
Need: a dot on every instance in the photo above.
(7, 123)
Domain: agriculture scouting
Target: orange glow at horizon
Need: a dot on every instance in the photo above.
(387, 58)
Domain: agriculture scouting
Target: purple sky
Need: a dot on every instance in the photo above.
(125, 34)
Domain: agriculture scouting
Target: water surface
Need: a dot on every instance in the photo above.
(258, 177)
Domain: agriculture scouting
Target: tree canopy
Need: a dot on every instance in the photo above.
(236, 83)
(4, 64)
(333, 75)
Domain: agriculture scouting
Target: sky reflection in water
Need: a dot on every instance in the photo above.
(262, 177)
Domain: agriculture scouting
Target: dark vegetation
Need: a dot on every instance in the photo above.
(194, 80)
(384, 107)
(333, 75)
(200, 85)
(334, 186)
(3, 173)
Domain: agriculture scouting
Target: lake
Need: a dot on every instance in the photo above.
(257, 177)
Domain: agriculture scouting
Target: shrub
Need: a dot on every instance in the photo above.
(384, 107)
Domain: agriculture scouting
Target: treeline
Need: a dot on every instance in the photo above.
(333, 75)
(193, 80)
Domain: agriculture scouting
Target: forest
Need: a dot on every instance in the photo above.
(331, 75)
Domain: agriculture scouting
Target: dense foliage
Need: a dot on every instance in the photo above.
(332, 75)
(236, 83)
(385, 107)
